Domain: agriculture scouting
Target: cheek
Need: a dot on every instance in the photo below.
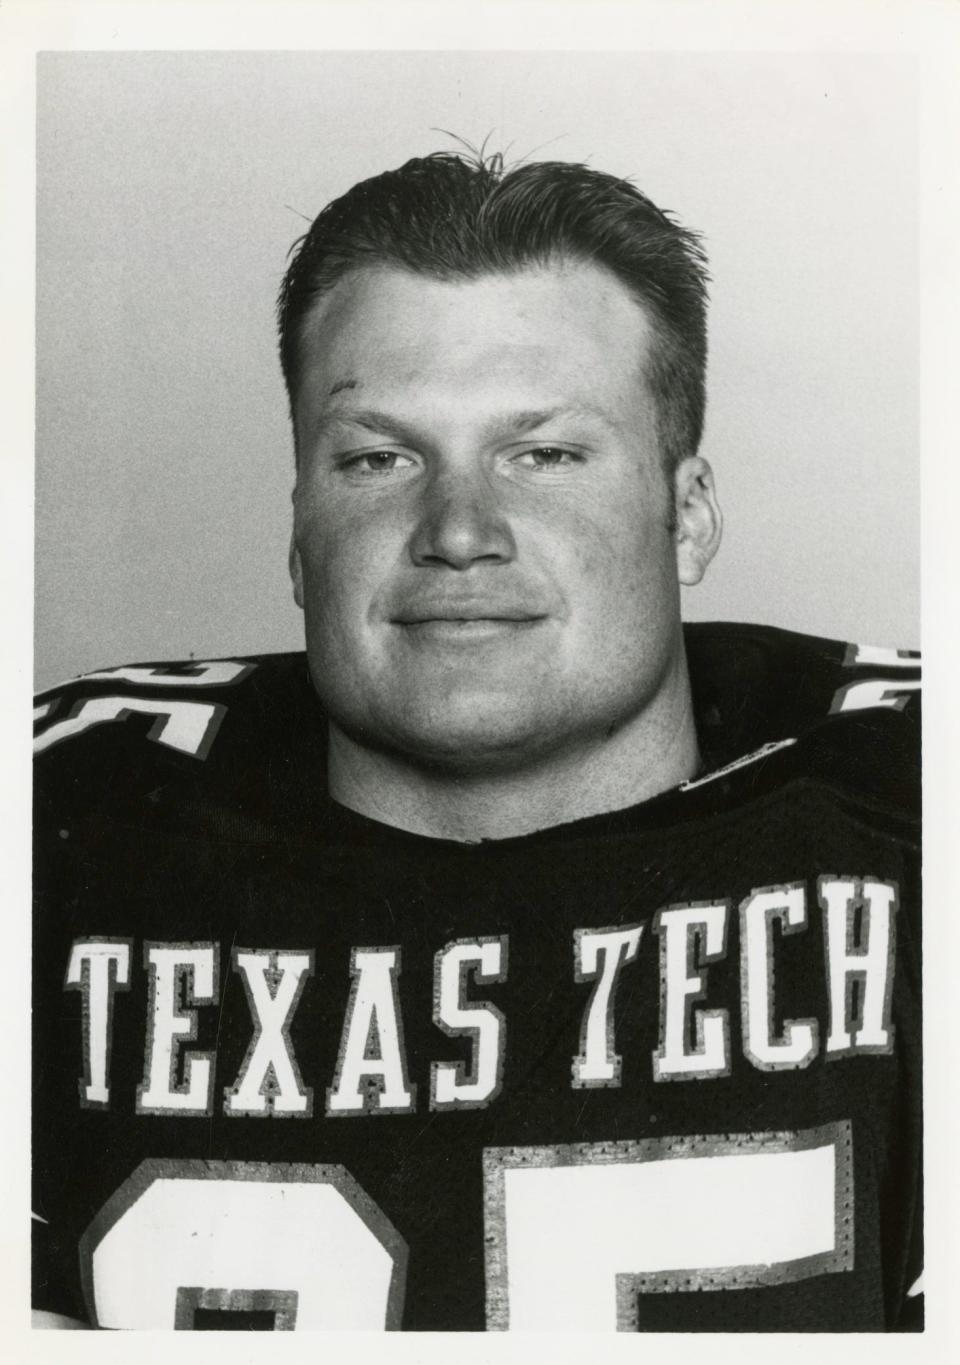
(618, 562)
(340, 569)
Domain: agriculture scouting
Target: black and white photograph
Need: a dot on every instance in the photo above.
(477, 667)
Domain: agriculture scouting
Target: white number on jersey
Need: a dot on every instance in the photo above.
(893, 693)
(574, 1233)
(304, 1242)
(189, 726)
(627, 1218)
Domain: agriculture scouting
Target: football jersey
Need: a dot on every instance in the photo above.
(653, 1070)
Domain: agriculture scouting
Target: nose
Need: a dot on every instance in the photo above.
(461, 523)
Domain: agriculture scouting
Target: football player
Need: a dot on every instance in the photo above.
(515, 957)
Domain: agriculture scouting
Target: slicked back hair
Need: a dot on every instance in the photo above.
(455, 217)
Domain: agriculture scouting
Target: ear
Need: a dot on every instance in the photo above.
(699, 521)
(296, 570)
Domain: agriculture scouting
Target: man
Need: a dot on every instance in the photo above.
(518, 959)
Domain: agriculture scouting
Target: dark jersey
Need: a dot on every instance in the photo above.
(657, 1069)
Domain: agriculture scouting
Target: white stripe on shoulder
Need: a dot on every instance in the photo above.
(880, 656)
(757, 754)
(193, 673)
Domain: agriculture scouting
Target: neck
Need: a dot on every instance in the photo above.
(644, 757)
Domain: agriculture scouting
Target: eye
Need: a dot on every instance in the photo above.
(545, 458)
(374, 462)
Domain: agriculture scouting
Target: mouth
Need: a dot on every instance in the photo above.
(472, 627)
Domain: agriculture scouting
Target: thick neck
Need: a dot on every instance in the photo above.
(647, 755)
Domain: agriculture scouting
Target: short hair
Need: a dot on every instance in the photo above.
(450, 216)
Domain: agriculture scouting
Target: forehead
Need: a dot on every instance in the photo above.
(571, 328)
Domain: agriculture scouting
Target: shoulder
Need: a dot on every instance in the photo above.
(849, 712)
(149, 737)
(798, 680)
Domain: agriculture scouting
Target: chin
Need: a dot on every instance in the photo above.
(471, 739)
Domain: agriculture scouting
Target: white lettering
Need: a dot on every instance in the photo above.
(98, 969)
(598, 956)
(371, 1074)
(269, 1079)
(178, 973)
(690, 937)
(796, 1046)
(859, 963)
(455, 1085)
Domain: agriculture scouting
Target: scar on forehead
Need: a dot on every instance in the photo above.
(342, 384)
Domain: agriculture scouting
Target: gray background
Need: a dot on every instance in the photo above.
(171, 185)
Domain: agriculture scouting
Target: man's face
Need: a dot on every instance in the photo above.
(482, 543)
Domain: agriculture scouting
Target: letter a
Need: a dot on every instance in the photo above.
(371, 1074)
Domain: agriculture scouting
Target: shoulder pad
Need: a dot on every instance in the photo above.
(851, 713)
(135, 741)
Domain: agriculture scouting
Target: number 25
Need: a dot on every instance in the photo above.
(574, 1233)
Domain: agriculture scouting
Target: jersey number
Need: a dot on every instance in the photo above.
(188, 726)
(573, 1233)
(868, 693)
(185, 1240)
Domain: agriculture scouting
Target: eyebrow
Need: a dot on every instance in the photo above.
(520, 422)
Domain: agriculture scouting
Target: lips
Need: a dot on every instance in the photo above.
(467, 632)
(464, 619)
(465, 612)
(465, 624)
